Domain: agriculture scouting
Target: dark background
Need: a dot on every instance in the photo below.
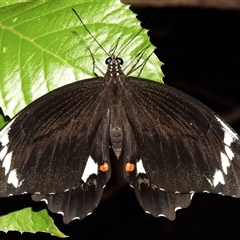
(201, 52)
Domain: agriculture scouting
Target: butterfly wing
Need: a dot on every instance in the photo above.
(53, 148)
(181, 147)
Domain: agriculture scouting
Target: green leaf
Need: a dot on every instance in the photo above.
(40, 52)
(43, 46)
(14, 222)
(11, 2)
(2, 121)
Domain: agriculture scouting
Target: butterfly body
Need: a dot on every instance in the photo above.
(57, 148)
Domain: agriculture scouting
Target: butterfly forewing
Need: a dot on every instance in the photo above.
(181, 142)
(153, 199)
(45, 148)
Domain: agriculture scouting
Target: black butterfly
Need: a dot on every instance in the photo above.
(57, 148)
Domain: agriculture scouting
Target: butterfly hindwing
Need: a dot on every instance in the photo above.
(158, 202)
(83, 198)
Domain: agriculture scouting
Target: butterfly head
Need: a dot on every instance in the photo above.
(114, 66)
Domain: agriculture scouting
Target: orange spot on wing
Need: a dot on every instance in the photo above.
(130, 167)
(104, 167)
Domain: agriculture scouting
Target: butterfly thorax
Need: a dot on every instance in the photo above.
(115, 80)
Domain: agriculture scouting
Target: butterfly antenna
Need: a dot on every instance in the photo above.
(94, 63)
(89, 32)
(138, 57)
(137, 33)
(113, 50)
(136, 66)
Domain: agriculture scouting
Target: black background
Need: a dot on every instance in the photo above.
(201, 52)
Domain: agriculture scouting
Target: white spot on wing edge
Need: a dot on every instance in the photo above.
(161, 215)
(192, 194)
(80, 218)
(13, 179)
(3, 153)
(229, 135)
(177, 208)
(44, 200)
(7, 162)
(4, 139)
(140, 168)
(90, 168)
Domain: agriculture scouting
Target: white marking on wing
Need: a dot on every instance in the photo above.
(90, 168)
(177, 208)
(161, 215)
(44, 200)
(225, 162)
(192, 194)
(7, 162)
(229, 135)
(3, 153)
(4, 139)
(229, 152)
(13, 179)
(218, 178)
(140, 167)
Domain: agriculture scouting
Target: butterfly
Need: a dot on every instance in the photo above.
(57, 148)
